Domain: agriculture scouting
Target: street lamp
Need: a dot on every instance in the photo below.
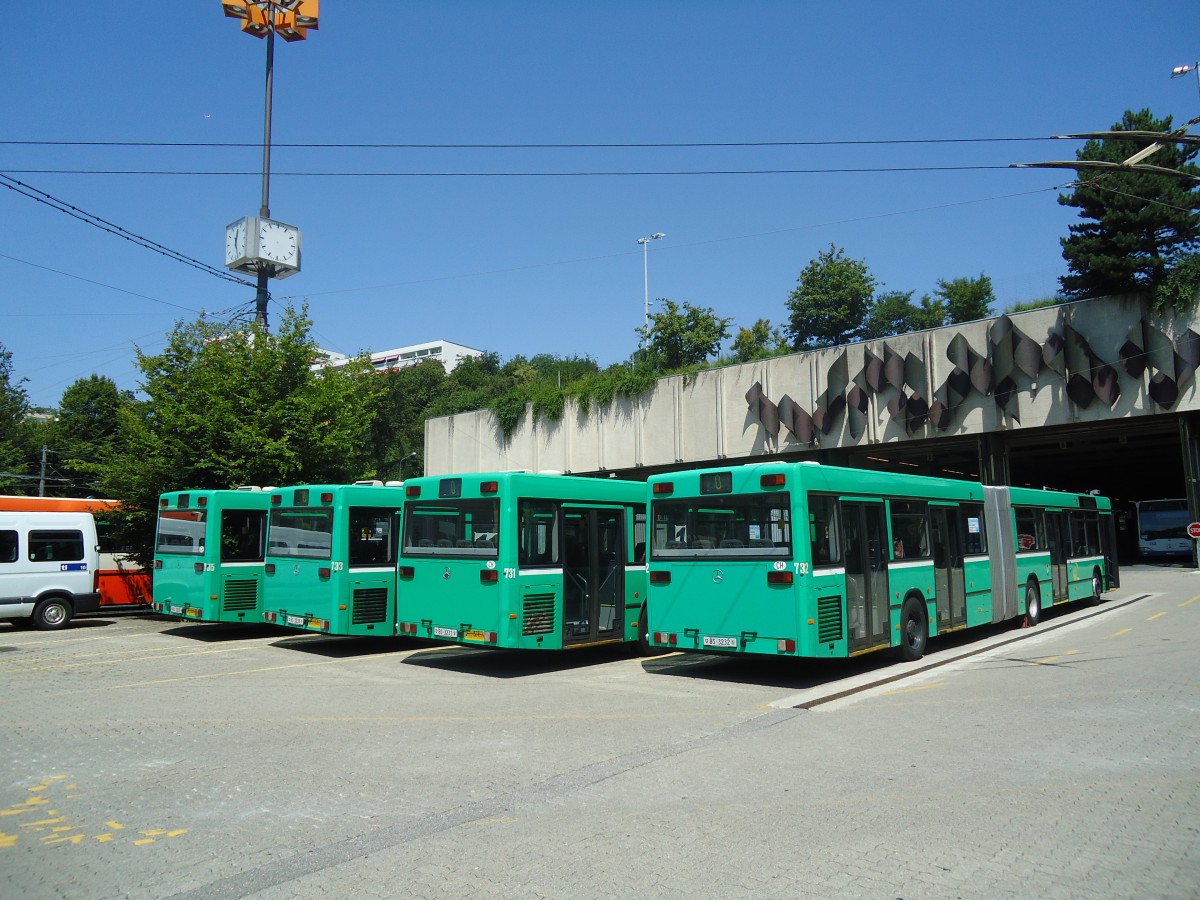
(645, 242)
(1180, 71)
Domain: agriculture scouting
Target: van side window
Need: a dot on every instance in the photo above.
(9, 551)
(55, 546)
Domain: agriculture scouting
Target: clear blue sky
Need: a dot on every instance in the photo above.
(533, 262)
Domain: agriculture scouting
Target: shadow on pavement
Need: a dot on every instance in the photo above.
(500, 663)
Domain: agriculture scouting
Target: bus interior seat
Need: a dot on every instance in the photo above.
(463, 542)
(444, 542)
(762, 542)
(424, 542)
(732, 543)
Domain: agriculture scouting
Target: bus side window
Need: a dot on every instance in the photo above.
(822, 528)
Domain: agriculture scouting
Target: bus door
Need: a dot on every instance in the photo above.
(864, 535)
(1058, 535)
(948, 579)
(593, 574)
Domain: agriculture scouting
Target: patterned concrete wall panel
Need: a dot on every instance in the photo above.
(620, 434)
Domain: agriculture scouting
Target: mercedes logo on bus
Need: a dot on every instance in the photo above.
(718, 576)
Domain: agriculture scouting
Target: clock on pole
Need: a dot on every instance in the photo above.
(255, 244)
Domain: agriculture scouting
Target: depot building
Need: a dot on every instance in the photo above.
(1098, 395)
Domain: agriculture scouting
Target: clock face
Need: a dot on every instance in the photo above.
(277, 243)
(235, 241)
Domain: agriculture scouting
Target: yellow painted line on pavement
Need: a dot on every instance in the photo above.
(1050, 659)
(1189, 602)
(1157, 615)
(1119, 633)
(923, 687)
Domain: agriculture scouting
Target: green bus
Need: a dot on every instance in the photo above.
(533, 561)
(331, 558)
(208, 554)
(801, 559)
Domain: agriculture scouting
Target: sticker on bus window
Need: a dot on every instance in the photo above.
(972, 525)
(755, 532)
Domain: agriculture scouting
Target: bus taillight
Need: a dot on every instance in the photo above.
(786, 645)
(269, 568)
(664, 487)
(660, 577)
(158, 564)
(662, 637)
(323, 572)
(412, 490)
(327, 497)
(270, 617)
(489, 487)
(779, 577)
(775, 479)
(406, 571)
(488, 576)
(198, 567)
(407, 627)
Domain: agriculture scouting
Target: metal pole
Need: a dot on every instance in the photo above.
(263, 294)
(646, 281)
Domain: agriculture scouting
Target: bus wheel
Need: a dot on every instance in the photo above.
(643, 638)
(1033, 604)
(914, 629)
(1097, 587)
(51, 614)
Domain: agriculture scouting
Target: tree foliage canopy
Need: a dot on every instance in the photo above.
(830, 300)
(966, 299)
(681, 336)
(1135, 225)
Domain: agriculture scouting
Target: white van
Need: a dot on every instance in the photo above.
(49, 562)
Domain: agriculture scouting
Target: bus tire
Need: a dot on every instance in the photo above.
(1097, 588)
(914, 629)
(51, 614)
(1033, 604)
(643, 638)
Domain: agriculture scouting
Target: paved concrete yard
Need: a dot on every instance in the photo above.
(147, 758)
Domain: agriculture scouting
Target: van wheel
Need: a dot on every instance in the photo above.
(1033, 604)
(51, 615)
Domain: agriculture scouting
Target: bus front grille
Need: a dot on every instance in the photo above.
(370, 605)
(241, 593)
(538, 614)
(829, 619)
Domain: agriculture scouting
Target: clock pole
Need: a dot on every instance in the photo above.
(263, 18)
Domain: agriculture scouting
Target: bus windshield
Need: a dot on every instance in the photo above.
(452, 528)
(734, 526)
(182, 532)
(1159, 519)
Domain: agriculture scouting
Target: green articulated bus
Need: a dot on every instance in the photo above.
(208, 554)
(331, 558)
(800, 559)
(523, 560)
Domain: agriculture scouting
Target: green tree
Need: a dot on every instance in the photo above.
(14, 426)
(682, 336)
(966, 299)
(398, 406)
(85, 431)
(830, 300)
(1136, 225)
(759, 341)
(237, 408)
(889, 314)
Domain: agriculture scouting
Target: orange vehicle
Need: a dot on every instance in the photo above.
(120, 581)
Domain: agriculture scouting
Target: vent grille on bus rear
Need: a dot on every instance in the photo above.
(829, 619)
(538, 614)
(370, 605)
(241, 594)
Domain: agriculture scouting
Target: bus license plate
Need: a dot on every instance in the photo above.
(177, 610)
(474, 635)
(296, 620)
(720, 641)
(439, 631)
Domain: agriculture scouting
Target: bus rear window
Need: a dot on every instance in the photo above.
(452, 529)
(301, 533)
(180, 532)
(733, 526)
